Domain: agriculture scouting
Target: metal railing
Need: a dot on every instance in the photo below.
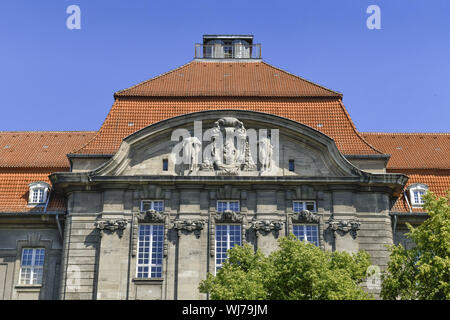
(228, 51)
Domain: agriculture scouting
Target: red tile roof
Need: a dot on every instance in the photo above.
(14, 189)
(438, 182)
(227, 79)
(200, 85)
(27, 157)
(129, 115)
(40, 149)
(413, 150)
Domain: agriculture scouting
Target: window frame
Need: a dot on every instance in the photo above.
(152, 205)
(420, 188)
(36, 186)
(150, 264)
(305, 225)
(291, 162)
(32, 267)
(304, 205)
(228, 241)
(228, 205)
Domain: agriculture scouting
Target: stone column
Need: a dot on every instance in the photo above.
(113, 259)
(192, 258)
(345, 233)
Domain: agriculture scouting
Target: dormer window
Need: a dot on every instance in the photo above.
(38, 193)
(416, 193)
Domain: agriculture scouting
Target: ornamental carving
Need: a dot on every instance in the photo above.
(112, 225)
(344, 226)
(233, 149)
(229, 216)
(306, 216)
(266, 226)
(151, 216)
(195, 226)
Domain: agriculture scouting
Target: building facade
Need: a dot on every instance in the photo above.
(224, 150)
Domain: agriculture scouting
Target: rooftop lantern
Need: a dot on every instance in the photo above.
(227, 47)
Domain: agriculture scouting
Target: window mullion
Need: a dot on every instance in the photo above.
(150, 254)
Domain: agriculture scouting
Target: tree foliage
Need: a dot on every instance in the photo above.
(296, 271)
(422, 272)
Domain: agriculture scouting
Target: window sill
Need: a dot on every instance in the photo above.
(147, 280)
(28, 286)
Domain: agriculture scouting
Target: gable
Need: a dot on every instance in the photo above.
(249, 144)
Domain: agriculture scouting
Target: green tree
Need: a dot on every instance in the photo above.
(296, 271)
(422, 272)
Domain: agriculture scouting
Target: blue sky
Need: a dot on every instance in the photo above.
(396, 79)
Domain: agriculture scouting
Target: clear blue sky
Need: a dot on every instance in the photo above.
(396, 79)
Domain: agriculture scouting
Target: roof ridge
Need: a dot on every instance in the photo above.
(301, 78)
(120, 92)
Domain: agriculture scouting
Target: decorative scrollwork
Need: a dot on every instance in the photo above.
(344, 226)
(112, 225)
(229, 216)
(189, 225)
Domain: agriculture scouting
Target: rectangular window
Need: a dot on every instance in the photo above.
(228, 205)
(308, 233)
(227, 236)
(150, 251)
(299, 206)
(157, 205)
(32, 265)
(165, 164)
(418, 197)
(291, 165)
(38, 195)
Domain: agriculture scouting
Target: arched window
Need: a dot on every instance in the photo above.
(38, 193)
(416, 192)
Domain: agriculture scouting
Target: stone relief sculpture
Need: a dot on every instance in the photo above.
(230, 148)
(265, 154)
(266, 226)
(192, 146)
(306, 216)
(229, 216)
(344, 226)
(189, 225)
(112, 225)
(151, 216)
